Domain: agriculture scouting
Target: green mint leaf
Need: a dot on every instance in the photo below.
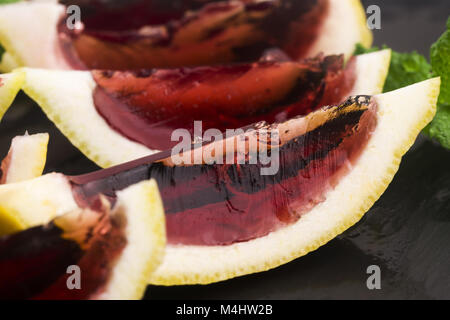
(440, 60)
(439, 128)
(8, 1)
(360, 49)
(405, 68)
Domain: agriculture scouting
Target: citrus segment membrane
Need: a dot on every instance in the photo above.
(26, 158)
(114, 251)
(175, 33)
(225, 203)
(96, 134)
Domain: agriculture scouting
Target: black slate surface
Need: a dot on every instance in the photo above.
(406, 233)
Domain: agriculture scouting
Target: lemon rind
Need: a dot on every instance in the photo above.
(28, 155)
(345, 205)
(146, 240)
(140, 206)
(17, 36)
(67, 99)
(376, 66)
(12, 82)
(402, 114)
(8, 63)
(34, 202)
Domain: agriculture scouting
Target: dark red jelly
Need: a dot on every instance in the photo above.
(220, 204)
(164, 34)
(34, 263)
(148, 105)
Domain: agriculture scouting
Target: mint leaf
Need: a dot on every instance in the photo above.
(409, 68)
(439, 128)
(440, 60)
(8, 1)
(405, 68)
(360, 49)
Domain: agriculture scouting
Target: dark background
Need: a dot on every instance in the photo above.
(408, 25)
(406, 233)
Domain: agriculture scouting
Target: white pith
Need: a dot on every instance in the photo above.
(8, 62)
(344, 27)
(67, 99)
(371, 70)
(28, 32)
(37, 201)
(27, 157)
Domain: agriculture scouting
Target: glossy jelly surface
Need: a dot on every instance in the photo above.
(220, 204)
(148, 105)
(138, 34)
